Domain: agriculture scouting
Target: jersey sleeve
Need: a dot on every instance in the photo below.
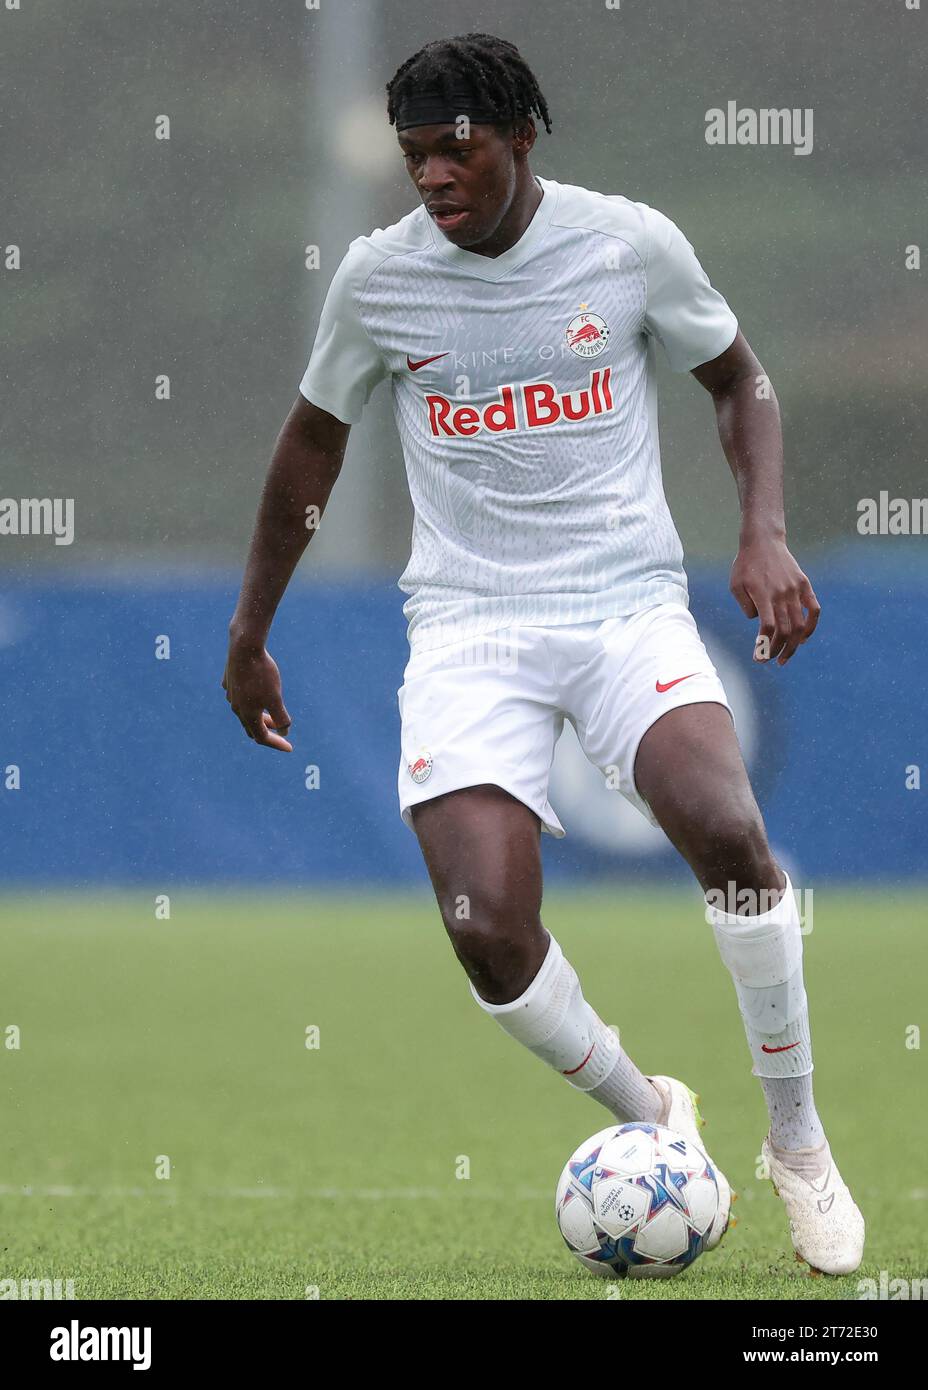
(345, 364)
(683, 312)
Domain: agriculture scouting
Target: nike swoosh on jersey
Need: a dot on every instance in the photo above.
(414, 366)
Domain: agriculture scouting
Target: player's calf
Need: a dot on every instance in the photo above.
(482, 850)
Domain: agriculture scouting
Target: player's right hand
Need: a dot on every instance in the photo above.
(251, 681)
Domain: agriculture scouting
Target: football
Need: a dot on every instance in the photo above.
(636, 1201)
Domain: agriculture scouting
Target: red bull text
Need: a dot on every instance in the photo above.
(536, 404)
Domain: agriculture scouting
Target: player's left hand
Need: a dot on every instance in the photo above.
(768, 584)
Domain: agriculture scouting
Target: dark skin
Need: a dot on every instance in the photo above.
(499, 194)
(689, 766)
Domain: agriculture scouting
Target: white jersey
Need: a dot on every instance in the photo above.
(524, 395)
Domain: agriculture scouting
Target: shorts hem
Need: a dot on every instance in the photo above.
(549, 821)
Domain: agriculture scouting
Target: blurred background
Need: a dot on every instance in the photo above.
(131, 259)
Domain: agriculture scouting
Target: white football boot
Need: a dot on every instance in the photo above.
(682, 1114)
(826, 1228)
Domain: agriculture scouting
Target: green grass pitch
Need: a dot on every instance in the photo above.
(336, 1168)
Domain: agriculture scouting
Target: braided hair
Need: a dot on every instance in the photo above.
(494, 66)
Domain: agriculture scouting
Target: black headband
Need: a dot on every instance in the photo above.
(430, 106)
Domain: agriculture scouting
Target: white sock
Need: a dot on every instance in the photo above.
(794, 1121)
(764, 955)
(554, 1021)
(810, 1163)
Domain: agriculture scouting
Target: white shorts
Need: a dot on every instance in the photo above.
(491, 708)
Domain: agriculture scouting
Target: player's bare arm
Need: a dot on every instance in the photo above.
(765, 578)
(306, 461)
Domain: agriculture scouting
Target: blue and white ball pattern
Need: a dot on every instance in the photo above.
(636, 1201)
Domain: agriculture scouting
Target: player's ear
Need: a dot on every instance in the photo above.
(524, 135)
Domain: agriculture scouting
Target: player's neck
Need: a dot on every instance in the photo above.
(521, 211)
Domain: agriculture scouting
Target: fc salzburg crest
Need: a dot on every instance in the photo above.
(420, 769)
(587, 334)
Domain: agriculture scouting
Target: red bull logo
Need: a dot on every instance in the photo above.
(587, 334)
(420, 769)
(532, 406)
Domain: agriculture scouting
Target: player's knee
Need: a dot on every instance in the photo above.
(495, 943)
(730, 851)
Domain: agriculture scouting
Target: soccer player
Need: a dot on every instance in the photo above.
(516, 319)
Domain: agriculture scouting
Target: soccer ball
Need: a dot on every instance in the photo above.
(636, 1201)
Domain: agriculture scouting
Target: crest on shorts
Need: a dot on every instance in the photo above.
(587, 334)
(420, 769)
